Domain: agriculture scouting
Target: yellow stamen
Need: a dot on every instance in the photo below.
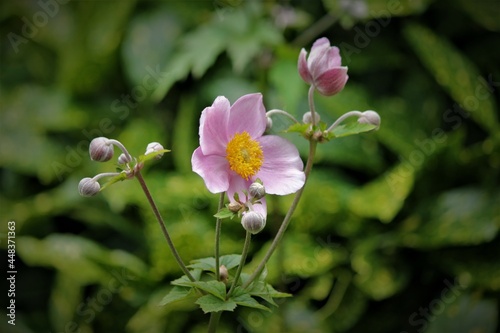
(244, 155)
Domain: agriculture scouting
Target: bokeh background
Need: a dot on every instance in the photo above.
(397, 230)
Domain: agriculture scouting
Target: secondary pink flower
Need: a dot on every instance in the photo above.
(323, 69)
(233, 151)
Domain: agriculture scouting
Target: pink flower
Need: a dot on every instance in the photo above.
(233, 151)
(323, 69)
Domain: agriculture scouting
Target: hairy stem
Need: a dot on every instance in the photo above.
(214, 321)
(244, 253)
(218, 226)
(171, 245)
(288, 217)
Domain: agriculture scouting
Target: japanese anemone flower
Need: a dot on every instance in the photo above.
(233, 151)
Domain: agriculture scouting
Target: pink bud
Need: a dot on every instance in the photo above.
(101, 149)
(253, 222)
(88, 187)
(322, 68)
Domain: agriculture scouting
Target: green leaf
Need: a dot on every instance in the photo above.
(210, 303)
(224, 213)
(456, 74)
(385, 196)
(299, 128)
(248, 301)
(153, 155)
(176, 294)
(230, 260)
(118, 178)
(266, 292)
(216, 288)
(350, 129)
(206, 264)
(184, 281)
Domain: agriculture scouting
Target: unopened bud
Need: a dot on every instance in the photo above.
(307, 117)
(101, 149)
(223, 274)
(253, 222)
(122, 159)
(257, 190)
(370, 117)
(154, 147)
(234, 207)
(269, 124)
(88, 187)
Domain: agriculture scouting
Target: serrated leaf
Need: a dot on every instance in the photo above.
(176, 294)
(184, 280)
(210, 303)
(350, 129)
(266, 292)
(206, 264)
(299, 128)
(248, 301)
(224, 213)
(216, 288)
(230, 260)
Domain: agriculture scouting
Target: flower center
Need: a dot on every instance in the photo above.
(244, 155)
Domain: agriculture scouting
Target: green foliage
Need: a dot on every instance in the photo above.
(388, 218)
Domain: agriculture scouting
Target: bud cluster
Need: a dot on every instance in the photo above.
(101, 149)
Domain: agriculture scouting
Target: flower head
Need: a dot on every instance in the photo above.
(101, 149)
(233, 151)
(322, 68)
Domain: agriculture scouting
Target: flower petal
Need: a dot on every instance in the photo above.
(282, 171)
(213, 169)
(247, 114)
(237, 185)
(332, 81)
(334, 58)
(318, 60)
(261, 207)
(213, 127)
(303, 68)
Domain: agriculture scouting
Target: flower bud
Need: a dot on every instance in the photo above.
(101, 149)
(269, 124)
(257, 190)
(154, 147)
(223, 274)
(88, 187)
(370, 117)
(307, 117)
(234, 207)
(253, 222)
(322, 68)
(122, 159)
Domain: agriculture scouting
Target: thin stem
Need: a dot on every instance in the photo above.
(218, 226)
(344, 117)
(214, 321)
(122, 148)
(288, 217)
(311, 105)
(105, 174)
(171, 245)
(243, 259)
(276, 111)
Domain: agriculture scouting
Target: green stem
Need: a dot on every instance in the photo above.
(244, 253)
(214, 321)
(218, 226)
(288, 217)
(311, 105)
(171, 245)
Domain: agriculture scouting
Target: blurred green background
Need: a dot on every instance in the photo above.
(397, 230)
